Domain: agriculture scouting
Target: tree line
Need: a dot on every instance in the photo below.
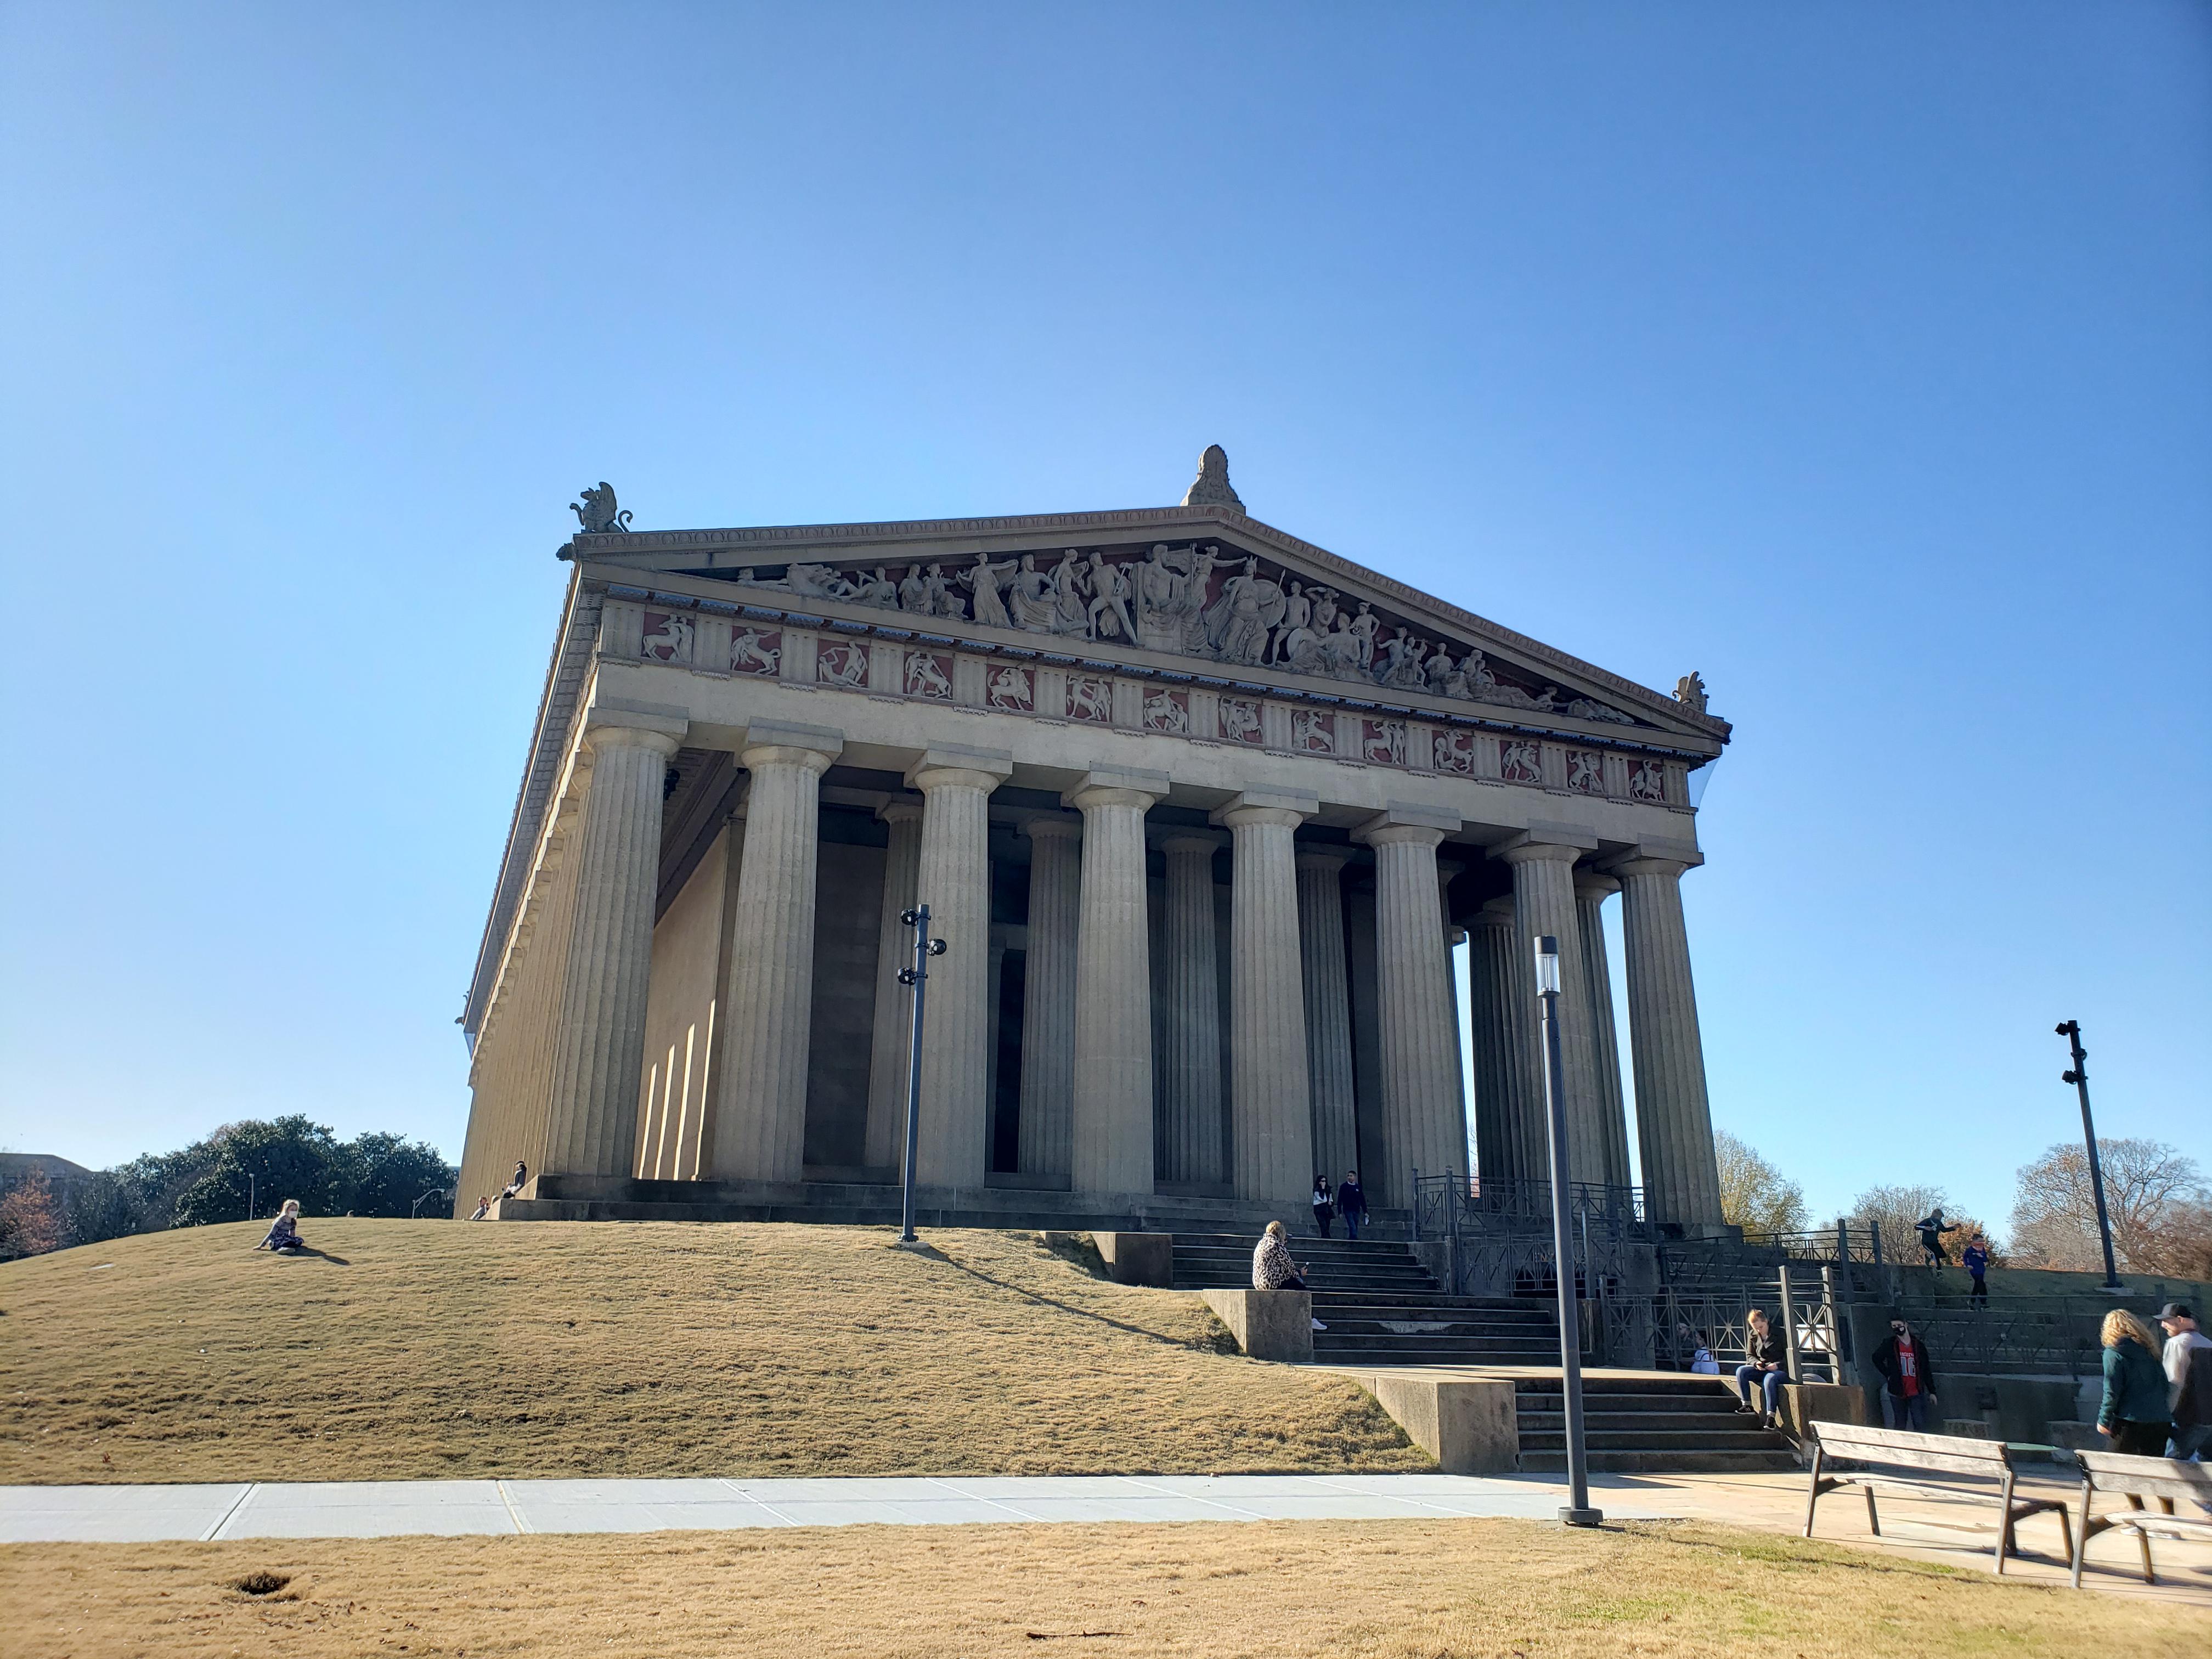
(215, 1178)
(2159, 1209)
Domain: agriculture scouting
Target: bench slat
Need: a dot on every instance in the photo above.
(1986, 1458)
(2146, 1477)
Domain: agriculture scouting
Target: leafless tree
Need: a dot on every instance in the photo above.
(2160, 1212)
(1898, 1208)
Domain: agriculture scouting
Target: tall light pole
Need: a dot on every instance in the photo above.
(2079, 1076)
(1578, 1512)
(918, 977)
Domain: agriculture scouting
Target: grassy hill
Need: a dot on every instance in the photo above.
(440, 1348)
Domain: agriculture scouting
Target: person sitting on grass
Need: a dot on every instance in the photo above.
(483, 1210)
(2137, 1411)
(1764, 1353)
(1272, 1266)
(284, 1231)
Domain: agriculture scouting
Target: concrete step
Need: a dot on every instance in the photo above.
(1635, 1462)
(1653, 1441)
(1703, 1422)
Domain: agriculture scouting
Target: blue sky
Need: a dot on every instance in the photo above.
(1861, 359)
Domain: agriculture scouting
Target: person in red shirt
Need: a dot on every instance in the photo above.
(1908, 1379)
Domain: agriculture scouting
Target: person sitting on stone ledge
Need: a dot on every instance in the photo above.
(1764, 1353)
(284, 1231)
(483, 1210)
(521, 1174)
(1272, 1266)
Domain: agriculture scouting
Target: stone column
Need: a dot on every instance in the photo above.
(1190, 1013)
(1591, 891)
(1111, 1131)
(1507, 1106)
(955, 883)
(1049, 993)
(598, 1044)
(1270, 1102)
(1424, 1112)
(1544, 903)
(894, 1025)
(759, 1131)
(1324, 965)
(1674, 1130)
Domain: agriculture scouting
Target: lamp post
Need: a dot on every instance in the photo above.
(917, 976)
(1578, 1512)
(2079, 1076)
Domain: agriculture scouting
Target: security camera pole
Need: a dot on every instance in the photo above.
(2079, 1076)
(917, 976)
(1578, 1512)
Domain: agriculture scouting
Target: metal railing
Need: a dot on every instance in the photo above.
(1454, 1204)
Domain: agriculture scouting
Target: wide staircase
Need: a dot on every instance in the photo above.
(1383, 1308)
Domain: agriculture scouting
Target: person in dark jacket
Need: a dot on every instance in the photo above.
(1763, 1349)
(2136, 1414)
(1324, 1205)
(2188, 1360)
(1908, 1378)
(284, 1236)
(1932, 1229)
(1351, 1203)
(1975, 1258)
(521, 1174)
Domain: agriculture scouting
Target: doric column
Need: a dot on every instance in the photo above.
(1324, 966)
(1111, 1134)
(598, 1044)
(1270, 1102)
(1424, 1112)
(1544, 903)
(955, 883)
(760, 1133)
(1190, 1013)
(1507, 1102)
(894, 1026)
(1591, 891)
(1674, 1130)
(1048, 992)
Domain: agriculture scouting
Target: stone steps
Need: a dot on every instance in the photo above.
(1632, 1423)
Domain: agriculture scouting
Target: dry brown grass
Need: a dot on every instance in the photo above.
(438, 1348)
(1395, 1590)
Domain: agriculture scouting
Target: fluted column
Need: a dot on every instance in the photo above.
(759, 1131)
(1544, 903)
(1591, 891)
(1425, 1115)
(1111, 1134)
(1675, 1131)
(894, 1026)
(1507, 1105)
(955, 883)
(598, 1055)
(1270, 1102)
(1049, 993)
(1190, 1012)
(1325, 967)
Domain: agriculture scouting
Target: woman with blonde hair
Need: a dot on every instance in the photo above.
(2136, 1413)
(284, 1232)
(1274, 1270)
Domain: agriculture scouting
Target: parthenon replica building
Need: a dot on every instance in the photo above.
(1199, 811)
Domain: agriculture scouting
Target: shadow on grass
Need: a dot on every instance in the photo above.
(1065, 1307)
(319, 1256)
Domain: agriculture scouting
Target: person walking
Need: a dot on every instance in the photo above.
(1273, 1268)
(2136, 1414)
(1931, 1229)
(2189, 1382)
(1351, 1203)
(1908, 1378)
(1763, 1350)
(1975, 1258)
(1324, 1205)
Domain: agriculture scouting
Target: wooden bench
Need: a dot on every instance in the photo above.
(1916, 1455)
(2136, 1478)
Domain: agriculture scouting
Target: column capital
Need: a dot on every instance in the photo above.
(607, 726)
(900, 809)
(1655, 855)
(1499, 913)
(1050, 826)
(1116, 786)
(948, 764)
(1562, 842)
(768, 743)
(1589, 885)
(1321, 858)
(1186, 839)
(1275, 806)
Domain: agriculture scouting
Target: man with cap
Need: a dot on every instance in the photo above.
(2189, 1374)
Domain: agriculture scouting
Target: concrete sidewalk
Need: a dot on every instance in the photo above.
(391, 1509)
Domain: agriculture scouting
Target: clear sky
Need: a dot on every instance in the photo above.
(1859, 358)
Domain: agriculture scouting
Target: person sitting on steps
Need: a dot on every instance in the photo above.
(1764, 1351)
(1272, 1266)
(515, 1187)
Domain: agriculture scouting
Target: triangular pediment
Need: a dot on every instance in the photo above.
(1200, 591)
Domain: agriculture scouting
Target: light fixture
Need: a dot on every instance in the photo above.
(1547, 965)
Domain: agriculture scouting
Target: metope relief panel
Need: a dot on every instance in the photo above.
(1519, 761)
(929, 674)
(756, 650)
(1091, 698)
(1239, 720)
(841, 663)
(1382, 743)
(1454, 753)
(666, 637)
(1585, 771)
(1168, 711)
(1647, 782)
(1011, 690)
(1313, 732)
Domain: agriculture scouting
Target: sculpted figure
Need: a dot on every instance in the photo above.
(1029, 597)
(913, 591)
(1386, 746)
(1309, 730)
(1647, 782)
(984, 582)
(943, 601)
(1163, 713)
(1071, 609)
(1238, 623)
(597, 513)
(1190, 604)
(1689, 690)
(749, 656)
(817, 582)
(878, 589)
(1583, 709)
(1009, 688)
(1438, 669)
(1324, 608)
(1339, 650)
(1108, 616)
(672, 641)
(1363, 630)
(1522, 764)
(1090, 699)
(1157, 586)
(1240, 720)
(1297, 616)
(1583, 772)
(842, 665)
(924, 679)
